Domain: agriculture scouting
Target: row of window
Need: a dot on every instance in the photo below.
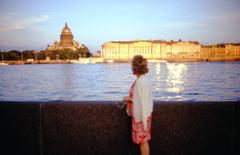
(145, 52)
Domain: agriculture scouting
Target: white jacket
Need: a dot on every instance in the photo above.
(142, 100)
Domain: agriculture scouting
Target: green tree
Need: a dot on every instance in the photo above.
(41, 55)
(84, 52)
(1, 55)
(28, 54)
(13, 55)
(68, 53)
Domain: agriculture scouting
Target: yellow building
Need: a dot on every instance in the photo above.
(220, 52)
(151, 49)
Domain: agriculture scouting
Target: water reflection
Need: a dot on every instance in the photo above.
(158, 71)
(175, 78)
(158, 77)
(170, 81)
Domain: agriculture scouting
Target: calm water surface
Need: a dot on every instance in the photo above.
(200, 81)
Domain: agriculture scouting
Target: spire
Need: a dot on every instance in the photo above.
(66, 24)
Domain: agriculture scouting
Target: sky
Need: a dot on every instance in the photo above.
(30, 24)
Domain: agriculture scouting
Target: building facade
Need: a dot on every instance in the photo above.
(222, 52)
(151, 49)
(66, 41)
(170, 50)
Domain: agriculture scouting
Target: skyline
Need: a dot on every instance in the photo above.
(35, 24)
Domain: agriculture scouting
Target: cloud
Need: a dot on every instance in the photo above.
(18, 32)
(11, 22)
(29, 22)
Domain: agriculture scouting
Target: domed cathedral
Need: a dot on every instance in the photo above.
(66, 37)
(66, 41)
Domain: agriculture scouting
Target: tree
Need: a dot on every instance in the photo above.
(41, 55)
(84, 52)
(28, 54)
(65, 54)
(2, 55)
(13, 55)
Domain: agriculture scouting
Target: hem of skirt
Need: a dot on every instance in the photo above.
(142, 141)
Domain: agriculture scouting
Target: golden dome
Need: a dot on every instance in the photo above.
(66, 30)
(66, 37)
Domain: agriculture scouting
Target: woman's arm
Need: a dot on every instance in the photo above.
(127, 99)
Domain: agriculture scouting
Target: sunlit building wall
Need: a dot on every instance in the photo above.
(186, 51)
(155, 49)
(176, 51)
(220, 52)
(233, 51)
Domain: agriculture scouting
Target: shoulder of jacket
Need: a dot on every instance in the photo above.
(142, 80)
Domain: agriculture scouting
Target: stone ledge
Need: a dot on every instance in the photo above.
(99, 127)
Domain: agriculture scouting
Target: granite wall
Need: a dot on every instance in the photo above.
(101, 128)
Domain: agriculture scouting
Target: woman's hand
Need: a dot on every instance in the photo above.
(127, 99)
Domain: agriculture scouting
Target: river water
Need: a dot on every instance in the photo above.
(195, 81)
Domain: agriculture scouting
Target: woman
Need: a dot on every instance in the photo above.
(140, 105)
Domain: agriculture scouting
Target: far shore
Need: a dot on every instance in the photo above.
(35, 62)
(80, 61)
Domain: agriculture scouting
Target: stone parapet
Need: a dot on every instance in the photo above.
(100, 127)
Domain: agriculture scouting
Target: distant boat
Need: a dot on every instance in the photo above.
(80, 61)
(109, 61)
(92, 61)
(155, 60)
(2, 63)
(83, 61)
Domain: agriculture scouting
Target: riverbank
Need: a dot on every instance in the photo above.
(79, 61)
(35, 62)
(100, 60)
